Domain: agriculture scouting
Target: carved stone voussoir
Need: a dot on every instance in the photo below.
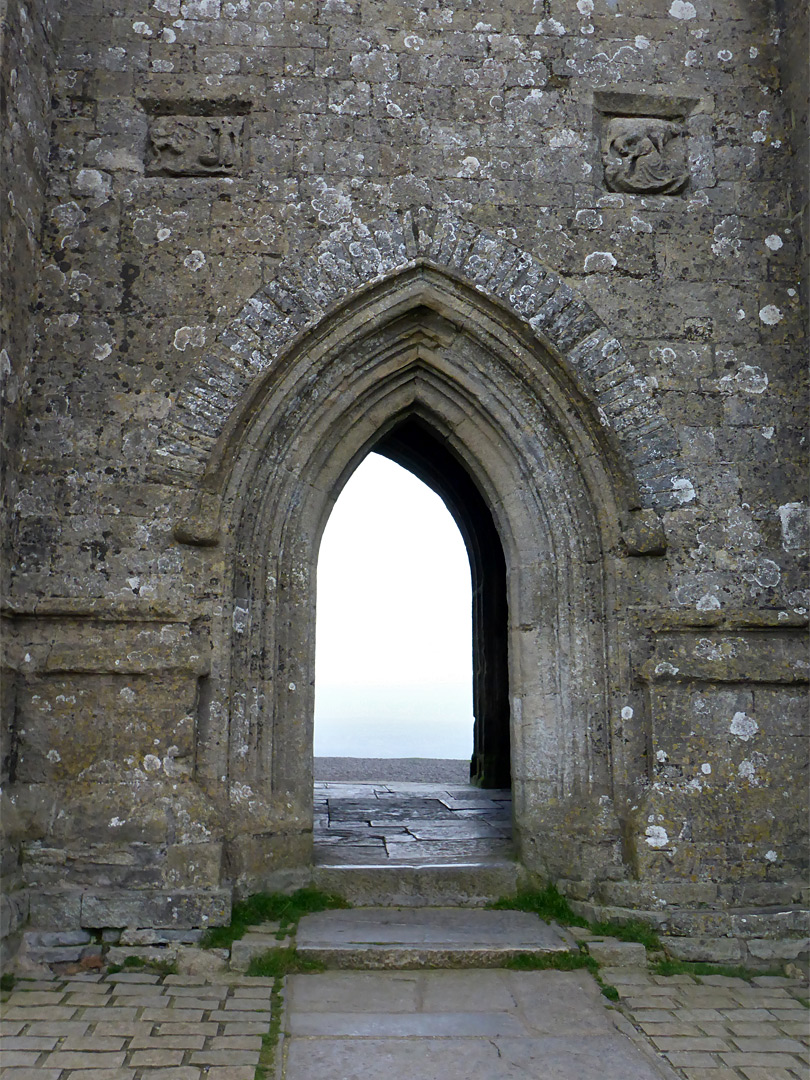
(195, 145)
(644, 155)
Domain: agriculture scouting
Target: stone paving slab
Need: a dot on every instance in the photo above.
(421, 937)
(505, 1038)
(410, 823)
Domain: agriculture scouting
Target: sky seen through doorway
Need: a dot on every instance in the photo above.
(394, 637)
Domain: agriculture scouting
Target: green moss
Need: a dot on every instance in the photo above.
(275, 963)
(7, 981)
(134, 962)
(270, 907)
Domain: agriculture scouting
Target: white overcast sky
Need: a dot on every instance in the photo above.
(393, 670)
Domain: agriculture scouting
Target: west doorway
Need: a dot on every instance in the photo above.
(416, 810)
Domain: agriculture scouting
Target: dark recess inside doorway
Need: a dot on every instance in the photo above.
(414, 446)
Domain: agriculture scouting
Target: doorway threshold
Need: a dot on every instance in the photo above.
(410, 824)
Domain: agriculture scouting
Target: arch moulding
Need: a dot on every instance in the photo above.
(419, 318)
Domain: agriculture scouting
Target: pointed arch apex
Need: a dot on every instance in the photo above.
(360, 264)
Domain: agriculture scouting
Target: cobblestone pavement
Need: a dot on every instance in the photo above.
(720, 1028)
(134, 1027)
(137, 1026)
(410, 822)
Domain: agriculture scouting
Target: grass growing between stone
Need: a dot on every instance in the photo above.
(634, 930)
(270, 907)
(7, 981)
(549, 903)
(266, 1067)
(137, 963)
(276, 963)
(561, 961)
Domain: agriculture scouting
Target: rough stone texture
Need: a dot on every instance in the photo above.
(618, 953)
(251, 945)
(246, 239)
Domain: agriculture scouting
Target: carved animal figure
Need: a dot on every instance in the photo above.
(645, 155)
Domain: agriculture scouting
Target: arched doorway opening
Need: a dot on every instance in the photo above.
(412, 445)
(393, 639)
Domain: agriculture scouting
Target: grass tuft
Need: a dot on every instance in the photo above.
(269, 907)
(561, 961)
(275, 963)
(548, 903)
(633, 930)
(610, 992)
(159, 967)
(7, 981)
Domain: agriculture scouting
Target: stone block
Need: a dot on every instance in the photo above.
(657, 895)
(53, 938)
(159, 936)
(13, 911)
(160, 953)
(700, 924)
(778, 948)
(55, 908)
(150, 907)
(615, 953)
(243, 950)
(201, 962)
(715, 950)
(64, 955)
(772, 923)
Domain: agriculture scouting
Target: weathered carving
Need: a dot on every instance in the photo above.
(644, 155)
(195, 145)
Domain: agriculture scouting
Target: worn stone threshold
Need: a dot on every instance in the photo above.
(431, 937)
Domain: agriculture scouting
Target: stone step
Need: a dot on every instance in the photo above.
(435, 937)
(427, 885)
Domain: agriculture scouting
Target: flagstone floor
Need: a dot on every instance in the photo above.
(410, 823)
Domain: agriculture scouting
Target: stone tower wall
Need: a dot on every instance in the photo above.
(216, 179)
(28, 40)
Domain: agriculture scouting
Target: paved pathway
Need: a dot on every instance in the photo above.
(721, 1028)
(453, 1025)
(456, 1025)
(134, 1027)
(362, 823)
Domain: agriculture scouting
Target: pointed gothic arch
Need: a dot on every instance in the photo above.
(418, 351)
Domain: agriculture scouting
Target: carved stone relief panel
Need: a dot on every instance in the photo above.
(644, 155)
(195, 145)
